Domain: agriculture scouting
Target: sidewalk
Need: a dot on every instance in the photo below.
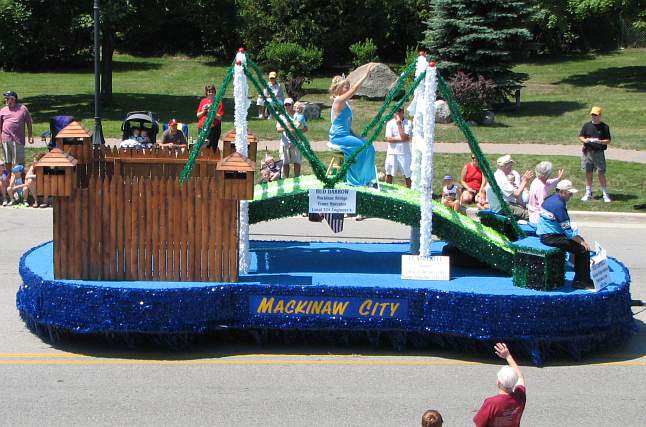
(462, 147)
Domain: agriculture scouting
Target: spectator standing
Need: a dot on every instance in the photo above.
(541, 187)
(398, 155)
(509, 191)
(276, 89)
(473, 183)
(432, 418)
(173, 137)
(289, 153)
(595, 137)
(554, 230)
(506, 408)
(13, 119)
(203, 108)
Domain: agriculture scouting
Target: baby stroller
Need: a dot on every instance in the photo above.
(135, 125)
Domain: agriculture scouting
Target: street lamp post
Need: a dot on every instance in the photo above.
(97, 138)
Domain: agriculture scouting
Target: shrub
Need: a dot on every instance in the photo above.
(294, 61)
(474, 95)
(364, 52)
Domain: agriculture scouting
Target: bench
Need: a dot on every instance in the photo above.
(537, 266)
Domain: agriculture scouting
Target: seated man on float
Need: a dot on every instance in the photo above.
(554, 230)
(510, 192)
(173, 137)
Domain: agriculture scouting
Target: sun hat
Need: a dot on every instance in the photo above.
(272, 75)
(11, 93)
(18, 169)
(596, 111)
(503, 160)
(447, 178)
(289, 101)
(566, 185)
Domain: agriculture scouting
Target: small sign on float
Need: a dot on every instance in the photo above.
(415, 267)
(599, 268)
(331, 200)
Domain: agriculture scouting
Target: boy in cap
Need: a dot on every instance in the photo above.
(450, 194)
(554, 230)
(13, 119)
(595, 137)
(18, 191)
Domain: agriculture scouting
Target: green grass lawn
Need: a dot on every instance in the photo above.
(625, 179)
(555, 101)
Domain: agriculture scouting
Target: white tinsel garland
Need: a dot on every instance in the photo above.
(426, 184)
(242, 103)
(417, 140)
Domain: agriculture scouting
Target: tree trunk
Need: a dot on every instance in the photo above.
(107, 50)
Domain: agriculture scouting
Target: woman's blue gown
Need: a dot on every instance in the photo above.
(362, 171)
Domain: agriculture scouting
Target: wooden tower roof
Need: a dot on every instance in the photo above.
(236, 162)
(57, 158)
(73, 130)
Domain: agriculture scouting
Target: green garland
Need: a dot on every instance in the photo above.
(446, 91)
(195, 151)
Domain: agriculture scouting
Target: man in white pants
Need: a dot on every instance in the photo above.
(398, 156)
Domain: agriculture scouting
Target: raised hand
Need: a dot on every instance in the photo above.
(501, 350)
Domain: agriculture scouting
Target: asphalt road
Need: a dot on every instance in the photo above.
(245, 384)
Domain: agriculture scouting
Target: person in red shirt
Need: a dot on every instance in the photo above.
(472, 181)
(506, 408)
(203, 110)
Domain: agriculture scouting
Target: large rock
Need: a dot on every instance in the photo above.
(312, 111)
(442, 112)
(378, 82)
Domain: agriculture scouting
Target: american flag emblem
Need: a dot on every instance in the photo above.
(335, 220)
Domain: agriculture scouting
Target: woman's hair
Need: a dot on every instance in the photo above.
(543, 169)
(432, 418)
(37, 157)
(299, 107)
(337, 81)
(209, 87)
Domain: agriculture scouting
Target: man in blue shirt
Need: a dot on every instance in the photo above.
(554, 230)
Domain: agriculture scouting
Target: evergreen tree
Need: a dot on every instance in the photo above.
(478, 37)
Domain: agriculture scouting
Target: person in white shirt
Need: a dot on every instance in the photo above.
(510, 192)
(398, 156)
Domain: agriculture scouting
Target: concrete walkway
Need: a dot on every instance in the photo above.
(487, 147)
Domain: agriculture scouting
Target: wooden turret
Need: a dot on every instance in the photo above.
(74, 139)
(56, 174)
(235, 177)
(229, 144)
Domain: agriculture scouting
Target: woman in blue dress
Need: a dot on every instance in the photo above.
(362, 171)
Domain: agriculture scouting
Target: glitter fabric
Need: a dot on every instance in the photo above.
(475, 307)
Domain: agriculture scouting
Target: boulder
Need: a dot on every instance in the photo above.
(312, 111)
(442, 112)
(488, 119)
(378, 83)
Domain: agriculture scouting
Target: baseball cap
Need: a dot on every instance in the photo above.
(272, 75)
(503, 160)
(18, 169)
(289, 101)
(447, 178)
(566, 185)
(10, 93)
(172, 122)
(596, 111)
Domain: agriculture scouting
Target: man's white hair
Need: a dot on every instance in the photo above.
(507, 378)
(543, 169)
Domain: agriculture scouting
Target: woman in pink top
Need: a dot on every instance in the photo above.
(540, 189)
